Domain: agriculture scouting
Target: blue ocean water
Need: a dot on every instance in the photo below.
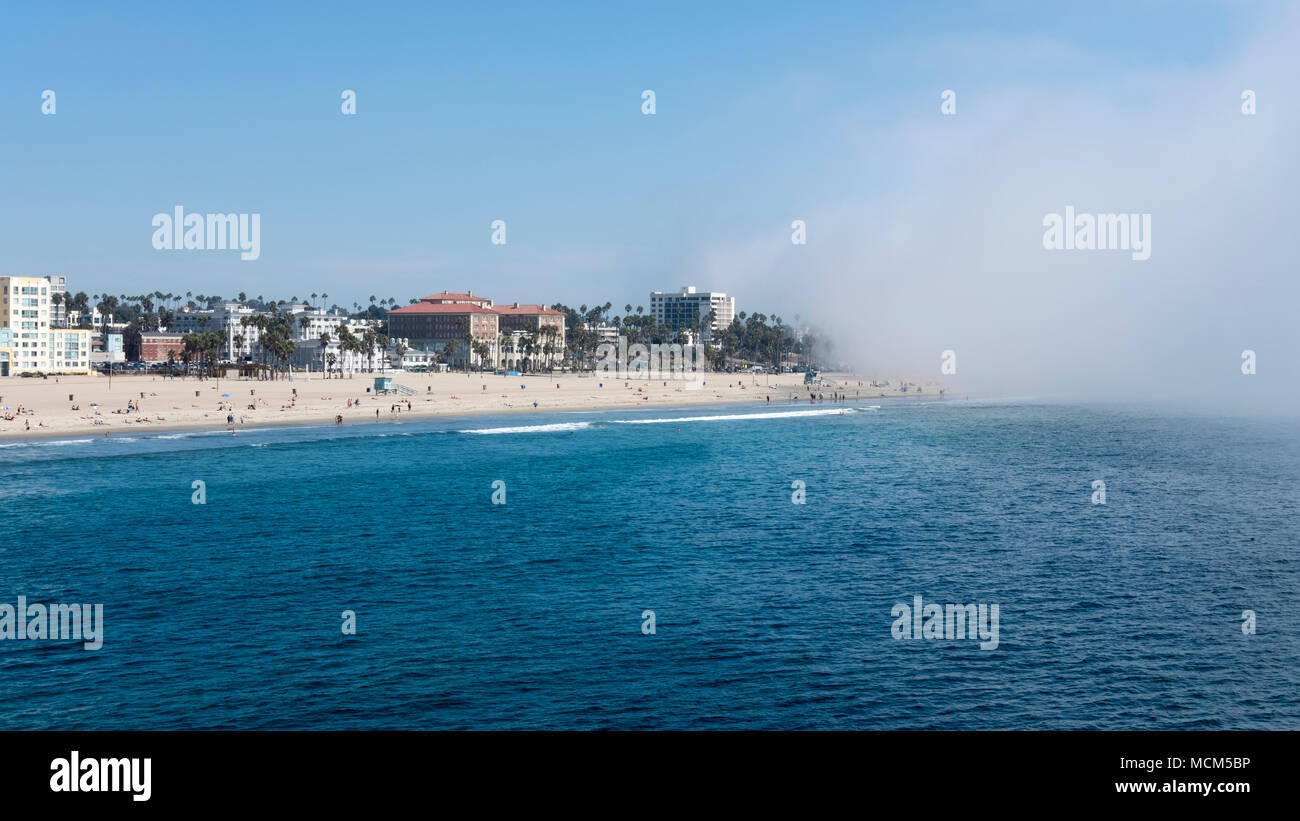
(768, 614)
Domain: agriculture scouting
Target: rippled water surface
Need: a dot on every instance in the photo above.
(768, 614)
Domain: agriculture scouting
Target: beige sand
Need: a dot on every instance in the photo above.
(189, 403)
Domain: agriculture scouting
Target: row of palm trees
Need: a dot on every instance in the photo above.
(275, 340)
(366, 343)
(203, 347)
(537, 350)
(152, 309)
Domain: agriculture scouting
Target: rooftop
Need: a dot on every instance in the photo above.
(516, 309)
(442, 308)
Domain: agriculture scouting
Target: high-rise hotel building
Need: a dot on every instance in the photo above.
(683, 308)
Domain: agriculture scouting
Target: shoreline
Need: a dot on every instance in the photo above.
(566, 393)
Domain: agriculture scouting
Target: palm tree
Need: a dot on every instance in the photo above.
(347, 343)
(369, 339)
(382, 341)
(508, 347)
(261, 322)
(324, 343)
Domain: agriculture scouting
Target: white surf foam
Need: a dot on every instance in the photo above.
(730, 416)
(559, 426)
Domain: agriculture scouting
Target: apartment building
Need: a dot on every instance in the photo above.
(25, 310)
(6, 351)
(70, 350)
(238, 341)
(310, 323)
(58, 301)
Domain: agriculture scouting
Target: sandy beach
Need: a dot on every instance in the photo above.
(89, 404)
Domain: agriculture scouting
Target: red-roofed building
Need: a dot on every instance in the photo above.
(433, 325)
(530, 323)
(514, 335)
(153, 346)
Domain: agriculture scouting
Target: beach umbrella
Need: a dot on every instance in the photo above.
(225, 396)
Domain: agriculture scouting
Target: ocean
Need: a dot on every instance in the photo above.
(767, 613)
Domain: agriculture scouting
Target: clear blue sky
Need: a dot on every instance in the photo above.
(767, 112)
(471, 113)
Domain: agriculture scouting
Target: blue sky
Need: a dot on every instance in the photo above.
(531, 113)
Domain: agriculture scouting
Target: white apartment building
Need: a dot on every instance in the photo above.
(319, 320)
(35, 345)
(25, 310)
(605, 333)
(681, 308)
(238, 340)
(70, 350)
(59, 306)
